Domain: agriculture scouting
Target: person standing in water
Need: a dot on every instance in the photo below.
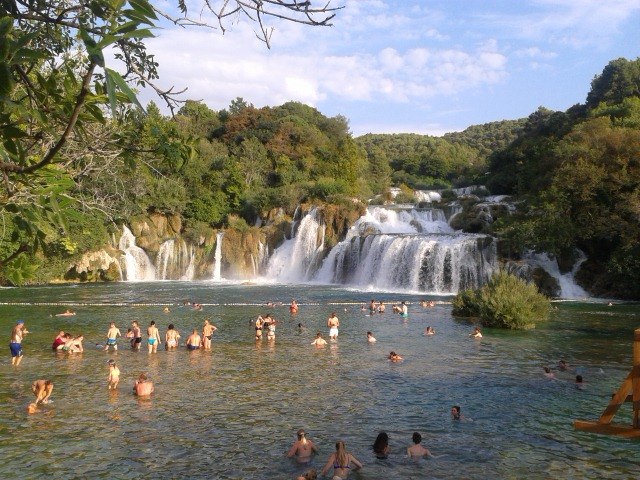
(302, 448)
(17, 334)
(416, 450)
(136, 342)
(172, 337)
(193, 342)
(341, 461)
(293, 308)
(319, 342)
(333, 323)
(153, 337)
(112, 337)
(143, 387)
(207, 333)
(114, 375)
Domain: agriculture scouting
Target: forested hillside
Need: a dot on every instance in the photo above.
(579, 172)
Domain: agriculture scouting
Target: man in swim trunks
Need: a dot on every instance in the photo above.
(193, 342)
(137, 336)
(42, 389)
(207, 333)
(17, 334)
(153, 337)
(112, 337)
(333, 323)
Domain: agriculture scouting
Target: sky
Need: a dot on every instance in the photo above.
(408, 66)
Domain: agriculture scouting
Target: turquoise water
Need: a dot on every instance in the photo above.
(232, 413)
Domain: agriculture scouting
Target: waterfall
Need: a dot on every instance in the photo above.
(389, 248)
(568, 287)
(137, 265)
(217, 257)
(297, 258)
(175, 260)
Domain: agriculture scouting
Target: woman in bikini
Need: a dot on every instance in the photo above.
(172, 338)
(259, 324)
(341, 461)
(302, 448)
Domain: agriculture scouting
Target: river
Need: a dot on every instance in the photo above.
(232, 413)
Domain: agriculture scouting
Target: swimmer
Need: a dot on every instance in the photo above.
(381, 307)
(563, 365)
(476, 333)
(259, 325)
(341, 461)
(429, 331)
(153, 337)
(143, 387)
(333, 323)
(59, 340)
(66, 313)
(381, 446)
(171, 338)
(302, 448)
(548, 373)
(166, 310)
(580, 385)
(319, 342)
(293, 308)
(17, 334)
(373, 307)
(42, 389)
(456, 414)
(270, 325)
(207, 332)
(73, 344)
(32, 408)
(136, 342)
(416, 450)
(370, 338)
(394, 357)
(112, 337)
(114, 375)
(194, 342)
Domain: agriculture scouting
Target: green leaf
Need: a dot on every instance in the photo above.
(95, 53)
(111, 91)
(143, 7)
(124, 88)
(6, 80)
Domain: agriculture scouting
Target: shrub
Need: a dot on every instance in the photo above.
(506, 301)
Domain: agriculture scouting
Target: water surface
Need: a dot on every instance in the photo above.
(232, 413)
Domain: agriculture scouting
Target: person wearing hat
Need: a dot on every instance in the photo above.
(17, 334)
(302, 448)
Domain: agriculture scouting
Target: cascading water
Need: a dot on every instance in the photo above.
(217, 258)
(137, 265)
(175, 260)
(568, 287)
(298, 258)
(407, 249)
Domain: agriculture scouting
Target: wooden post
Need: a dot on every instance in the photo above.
(629, 390)
(636, 378)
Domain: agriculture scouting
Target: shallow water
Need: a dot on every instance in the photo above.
(232, 413)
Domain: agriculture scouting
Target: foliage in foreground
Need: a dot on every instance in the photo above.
(506, 301)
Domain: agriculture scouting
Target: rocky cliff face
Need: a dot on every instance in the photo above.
(177, 251)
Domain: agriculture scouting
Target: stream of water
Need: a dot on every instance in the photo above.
(232, 413)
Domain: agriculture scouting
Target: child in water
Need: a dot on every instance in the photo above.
(114, 375)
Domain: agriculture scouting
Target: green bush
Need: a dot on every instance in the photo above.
(506, 301)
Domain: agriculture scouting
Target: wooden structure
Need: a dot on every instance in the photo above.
(629, 391)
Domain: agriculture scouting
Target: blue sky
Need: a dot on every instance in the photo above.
(391, 66)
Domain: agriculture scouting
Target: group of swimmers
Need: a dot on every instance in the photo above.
(342, 461)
